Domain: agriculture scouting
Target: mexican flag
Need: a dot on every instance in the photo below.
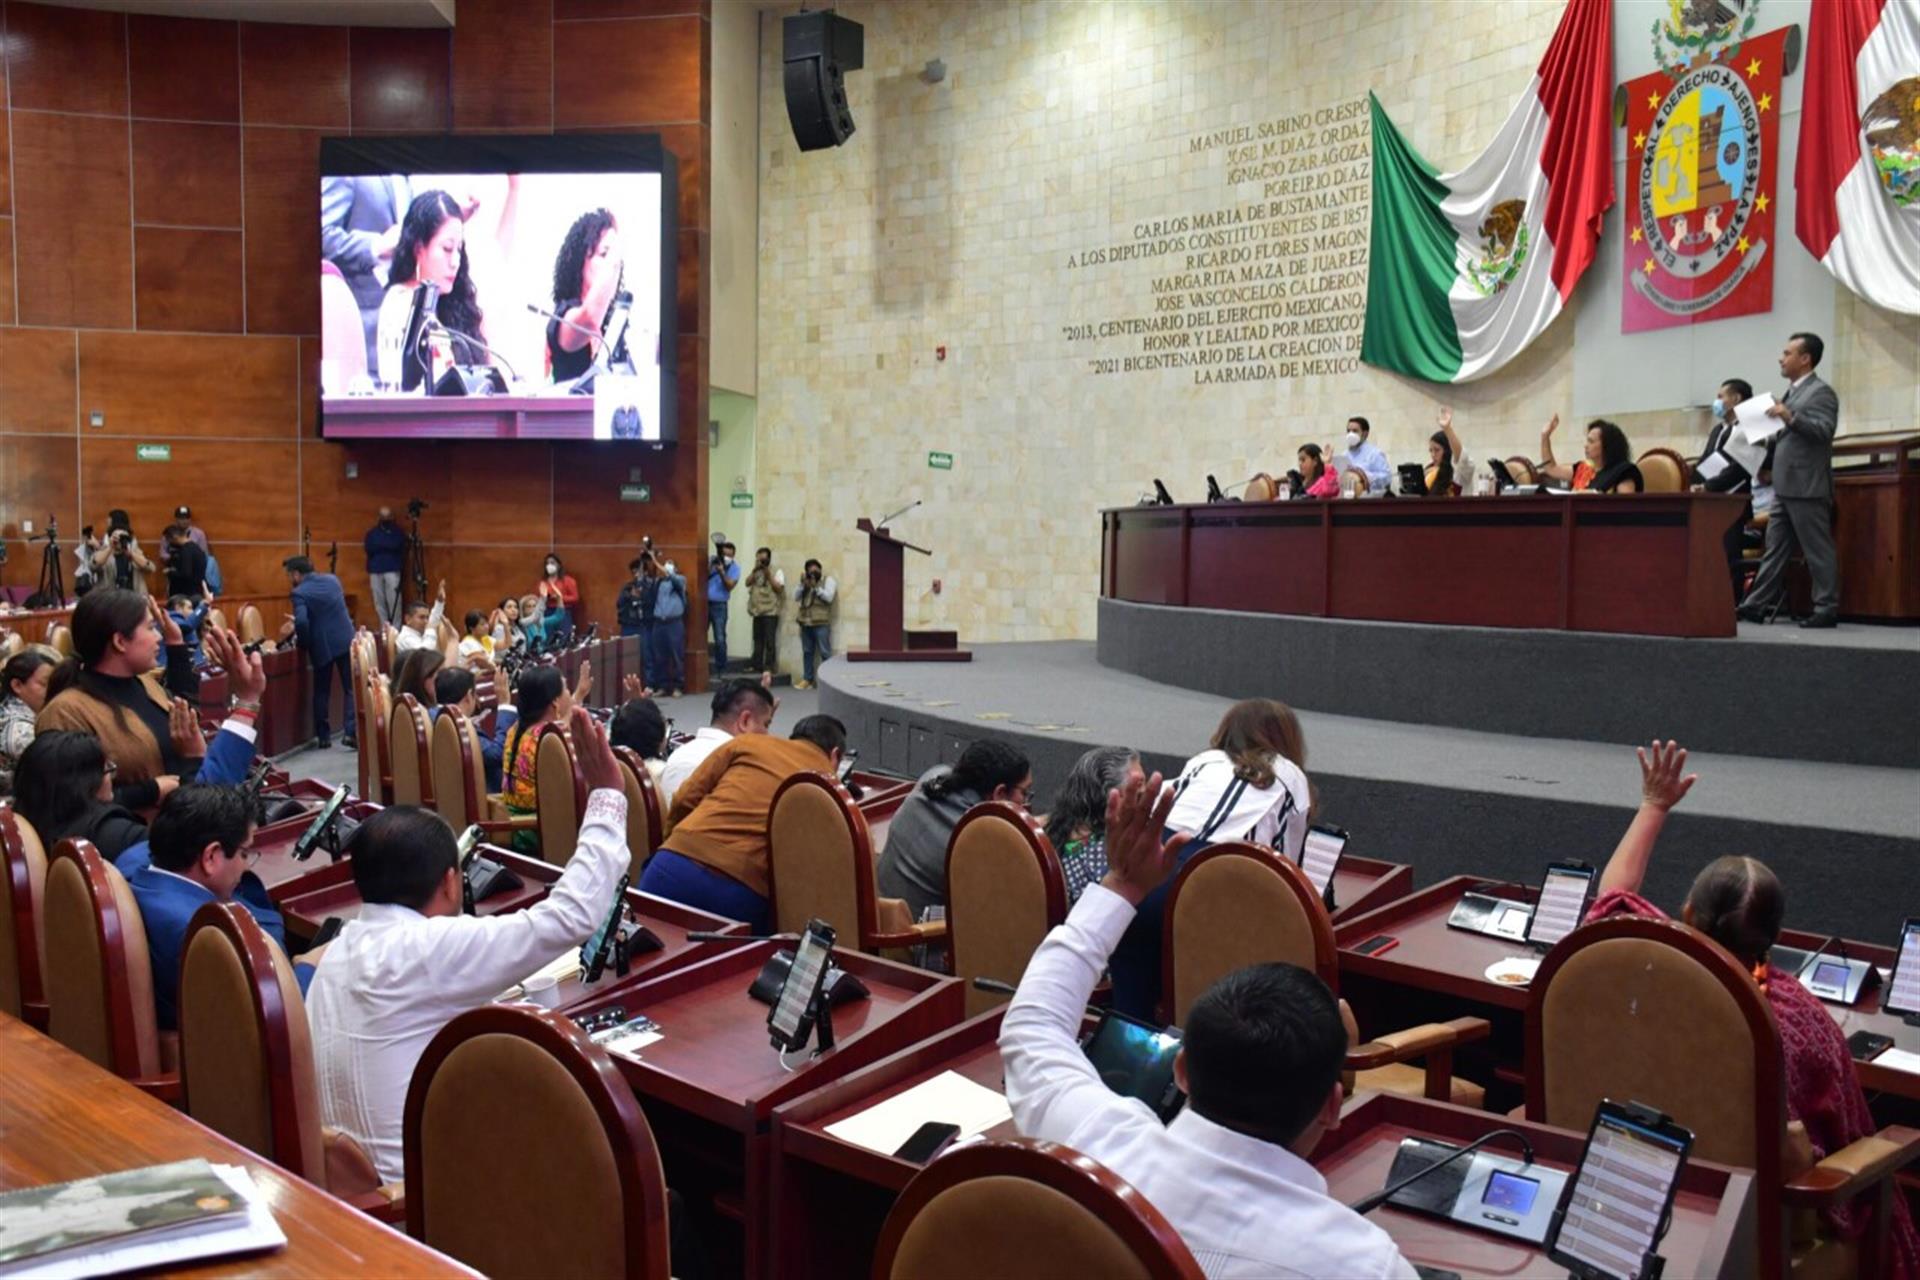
(1858, 180)
(1467, 268)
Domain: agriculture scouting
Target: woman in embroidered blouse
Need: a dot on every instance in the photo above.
(1738, 902)
(541, 698)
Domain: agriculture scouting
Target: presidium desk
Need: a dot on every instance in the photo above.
(1645, 564)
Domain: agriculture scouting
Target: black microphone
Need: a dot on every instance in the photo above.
(562, 320)
(996, 986)
(1369, 1203)
(454, 335)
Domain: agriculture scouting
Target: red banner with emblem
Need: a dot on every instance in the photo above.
(1703, 178)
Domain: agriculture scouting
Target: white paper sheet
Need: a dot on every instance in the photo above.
(948, 1098)
(1899, 1060)
(1751, 422)
(1711, 465)
(256, 1231)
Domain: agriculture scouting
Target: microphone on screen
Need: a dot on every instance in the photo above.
(555, 316)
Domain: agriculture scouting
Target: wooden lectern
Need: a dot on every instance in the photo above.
(888, 640)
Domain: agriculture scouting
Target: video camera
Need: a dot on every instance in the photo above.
(415, 507)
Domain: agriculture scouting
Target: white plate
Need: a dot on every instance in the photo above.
(1514, 971)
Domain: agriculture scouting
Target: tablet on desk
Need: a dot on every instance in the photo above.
(1563, 902)
(1903, 993)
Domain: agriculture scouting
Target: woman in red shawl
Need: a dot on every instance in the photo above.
(1738, 902)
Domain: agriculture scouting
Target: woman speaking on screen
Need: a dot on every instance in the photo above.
(586, 276)
(432, 250)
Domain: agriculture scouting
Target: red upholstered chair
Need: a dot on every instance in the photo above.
(564, 1181)
(1005, 889)
(821, 867)
(1237, 904)
(23, 878)
(246, 1058)
(646, 817)
(99, 974)
(1026, 1210)
(1654, 1011)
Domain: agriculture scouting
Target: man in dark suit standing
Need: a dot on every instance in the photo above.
(359, 226)
(1802, 489)
(325, 628)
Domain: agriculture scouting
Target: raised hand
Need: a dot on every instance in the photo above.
(1446, 417)
(1663, 780)
(590, 748)
(1552, 424)
(502, 696)
(1138, 861)
(169, 629)
(631, 688)
(183, 727)
(246, 673)
(441, 595)
(583, 684)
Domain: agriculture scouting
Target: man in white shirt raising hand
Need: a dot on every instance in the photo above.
(1260, 1064)
(410, 961)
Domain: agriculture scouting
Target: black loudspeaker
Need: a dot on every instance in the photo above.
(819, 49)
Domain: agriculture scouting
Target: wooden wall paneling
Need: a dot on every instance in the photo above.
(37, 370)
(6, 150)
(39, 476)
(567, 10)
(478, 577)
(73, 230)
(400, 80)
(500, 493)
(503, 65)
(691, 144)
(295, 75)
(6, 256)
(184, 68)
(660, 81)
(67, 59)
(390, 472)
(282, 218)
(187, 279)
(163, 386)
(241, 494)
(255, 569)
(690, 292)
(186, 175)
(587, 509)
(600, 571)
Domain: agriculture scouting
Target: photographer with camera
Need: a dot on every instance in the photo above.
(669, 658)
(183, 519)
(815, 615)
(386, 546)
(83, 553)
(723, 575)
(766, 593)
(120, 563)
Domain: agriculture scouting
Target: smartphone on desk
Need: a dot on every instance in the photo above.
(928, 1141)
(1865, 1046)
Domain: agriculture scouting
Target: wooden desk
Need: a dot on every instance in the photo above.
(710, 1087)
(1644, 564)
(830, 1197)
(1876, 498)
(1713, 1231)
(1367, 884)
(1437, 973)
(65, 1118)
(275, 842)
(1868, 1015)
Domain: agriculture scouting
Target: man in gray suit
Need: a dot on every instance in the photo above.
(359, 225)
(1802, 489)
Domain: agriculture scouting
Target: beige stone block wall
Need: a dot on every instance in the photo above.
(1064, 125)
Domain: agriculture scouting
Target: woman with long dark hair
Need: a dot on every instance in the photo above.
(414, 674)
(64, 789)
(586, 276)
(914, 864)
(111, 689)
(23, 691)
(432, 250)
(1250, 784)
(540, 698)
(1606, 465)
(560, 594)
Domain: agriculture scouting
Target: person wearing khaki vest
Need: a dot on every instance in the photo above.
(815, 615)
(766, 593)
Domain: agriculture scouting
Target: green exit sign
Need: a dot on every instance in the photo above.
(940, 461)
(153, 452)
(742, 501)
(636, 493)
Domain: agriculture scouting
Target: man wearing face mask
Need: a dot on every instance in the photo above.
(386, 546)
(723, 575)
(668, 667)
(1364, 456)
(1721, 469)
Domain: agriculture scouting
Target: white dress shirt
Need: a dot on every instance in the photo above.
(1245, 1207)
(393, 977)
(1213, 805)
(687, 757)
(409, 639)
(1370, 458)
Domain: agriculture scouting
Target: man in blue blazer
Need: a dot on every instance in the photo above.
(325, 628)
(198, 851)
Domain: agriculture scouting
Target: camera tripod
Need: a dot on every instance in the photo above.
(53, 586)
(416, 570)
